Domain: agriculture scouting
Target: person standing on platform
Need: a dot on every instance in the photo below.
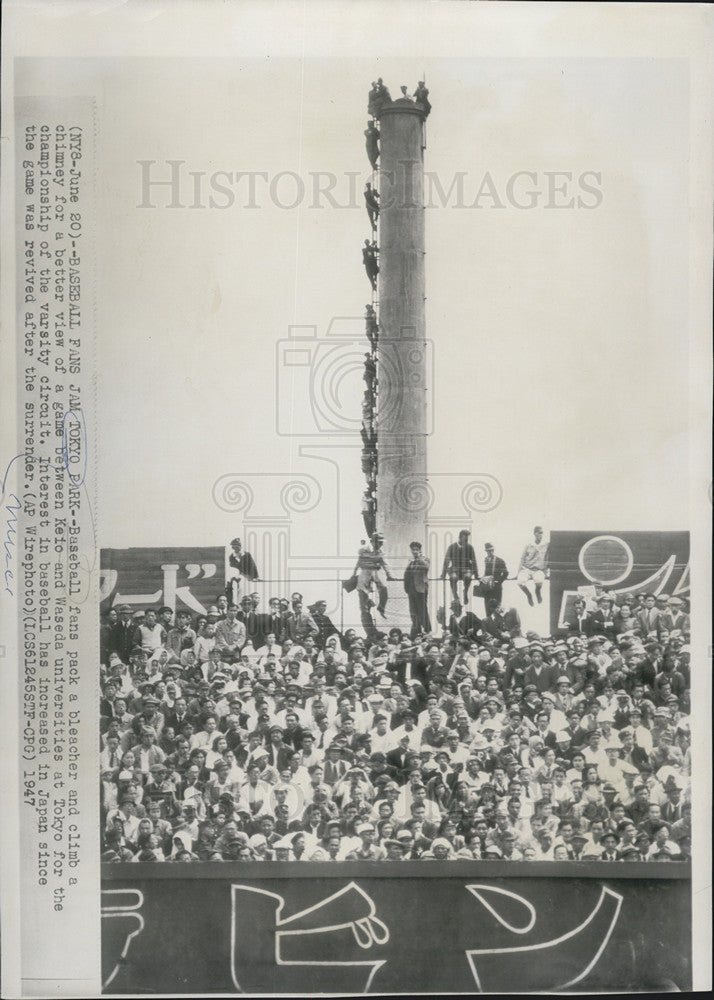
(421, 94)
(416, 585)
(533, 566)
(241, 566)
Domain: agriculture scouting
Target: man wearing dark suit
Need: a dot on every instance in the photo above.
(324, 625)
(467, 626)
(335, 766)
(494, 623)
(407, 665)
(178, 715)
(121, 639)
(397, 758)
(278, 752)
(609, 842)
(602, 621)
(538, 673)
(494, 573)
(273, 621)
(252, 621)
(577, 619)
(416, 585)
(672, 810)
(648, 620)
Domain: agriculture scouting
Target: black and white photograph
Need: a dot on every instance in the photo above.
(356, 498)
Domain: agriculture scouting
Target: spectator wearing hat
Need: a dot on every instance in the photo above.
(564, 697)
(335, 766)
(578, 844)
(674, 618)
(609, 843)
(416, 586)
(538, 673)
(241, 566)
(463, 623)
(544, 839)
(612, 770)
(147, 753)
(642, 843)
(641, 733)
(495, 572)
(121, 638)
(398, 758)
(368, 850)
(434, 732)
(602, 621)
(597, 658)
(310, 754)
(673, 808)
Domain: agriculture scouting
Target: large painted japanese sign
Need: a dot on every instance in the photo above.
(625, 562)
(180, 578)
(217, 929)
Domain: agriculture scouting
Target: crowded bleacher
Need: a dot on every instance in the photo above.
(254, 733)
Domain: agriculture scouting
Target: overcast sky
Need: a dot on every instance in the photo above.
(559, 333)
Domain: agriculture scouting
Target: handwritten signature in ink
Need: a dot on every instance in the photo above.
(11, 508)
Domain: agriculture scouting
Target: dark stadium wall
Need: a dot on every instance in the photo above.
(181, 578)
(311, 928)
(620, 562)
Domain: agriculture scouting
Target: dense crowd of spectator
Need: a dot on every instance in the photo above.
(250, 734)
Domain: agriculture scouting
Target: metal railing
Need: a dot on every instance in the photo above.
(346, 606)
